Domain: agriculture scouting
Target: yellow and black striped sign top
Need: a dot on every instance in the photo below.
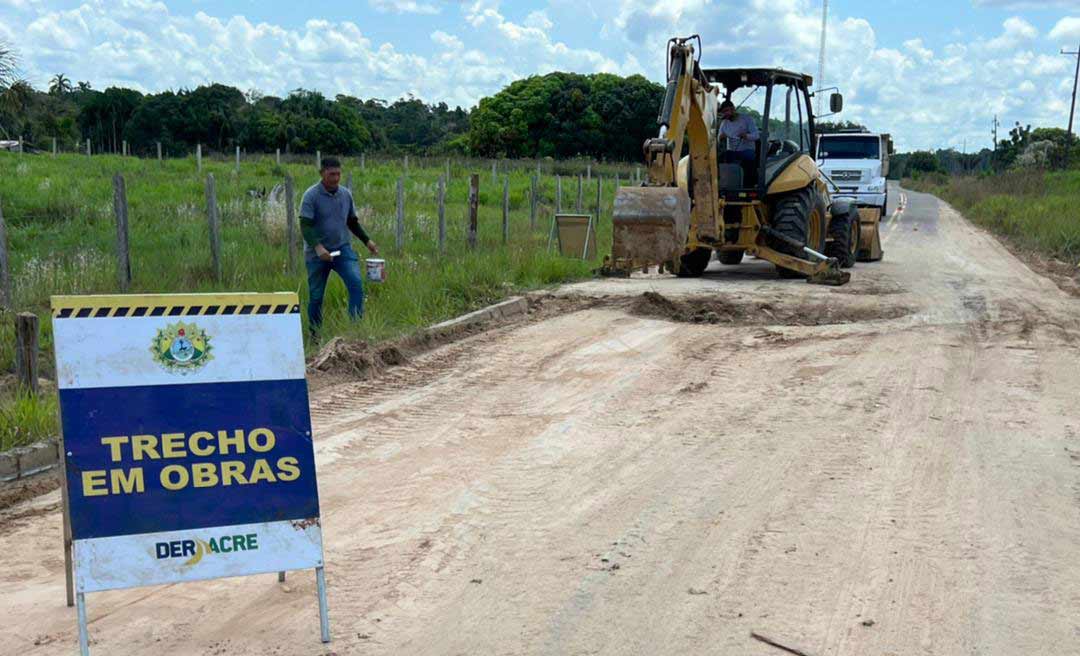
(172, 305)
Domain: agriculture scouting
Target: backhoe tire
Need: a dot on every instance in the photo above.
(844, 231)
(694, 263)
(800, 216)
(730, 257)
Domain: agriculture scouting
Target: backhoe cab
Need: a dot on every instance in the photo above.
(776, 207)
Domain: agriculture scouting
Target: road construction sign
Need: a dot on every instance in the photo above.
(187, 437)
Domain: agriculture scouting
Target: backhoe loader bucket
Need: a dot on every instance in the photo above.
(829, 273)
(650, 227)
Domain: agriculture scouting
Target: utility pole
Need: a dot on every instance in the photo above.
(993, 131)
(1072, 108)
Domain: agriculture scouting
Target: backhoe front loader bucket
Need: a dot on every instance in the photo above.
(650, 227)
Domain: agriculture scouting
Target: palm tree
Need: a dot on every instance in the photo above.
(84, 86)
(7, 65)
(14, 99)
(60, 85)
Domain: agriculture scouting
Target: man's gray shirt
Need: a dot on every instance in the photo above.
(735, 127)
(330, 213)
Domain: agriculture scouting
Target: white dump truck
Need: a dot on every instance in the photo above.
(858, 162)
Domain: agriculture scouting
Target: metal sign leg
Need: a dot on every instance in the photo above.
(324, 614)
(84, 638)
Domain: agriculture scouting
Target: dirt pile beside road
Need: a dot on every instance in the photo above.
(355, 358)
(743, 312)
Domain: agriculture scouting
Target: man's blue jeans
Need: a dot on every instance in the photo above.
(347, 265)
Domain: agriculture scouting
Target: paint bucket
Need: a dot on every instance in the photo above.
(376, 270)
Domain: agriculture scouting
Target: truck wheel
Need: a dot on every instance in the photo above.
(730, 257)
(694, 263)
(844, 231)
(799, 216)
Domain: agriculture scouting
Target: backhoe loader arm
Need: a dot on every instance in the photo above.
(688, 113)
(651, 223)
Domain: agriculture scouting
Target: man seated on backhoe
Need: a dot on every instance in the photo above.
(742, 136)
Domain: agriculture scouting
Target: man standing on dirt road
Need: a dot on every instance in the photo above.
(327, 216)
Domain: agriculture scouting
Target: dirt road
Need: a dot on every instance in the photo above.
(887, 468)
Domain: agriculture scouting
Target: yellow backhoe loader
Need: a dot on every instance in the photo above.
(776, 207)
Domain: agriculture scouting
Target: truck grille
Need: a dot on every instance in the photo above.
(846, 176)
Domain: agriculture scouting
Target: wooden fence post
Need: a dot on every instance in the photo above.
(198, 158)
(474, 207)
(558, 194)
(21, 146)
(159, 158)
(238, 159)
(277, 156)
(214, 222)
(290, 220)
(494, 172)
(26, 351)
(88, 148)
(54, 146)
(599, 190)
(448, 171)
(120, 208)
(588, 171)
(318, 160)
(440, 196)
(506, 209)
(406, 165)
(123, 148)
(6, 295)
(65, 504)
(580, 196)
(533, 185)
(363, 163)
(399, 232)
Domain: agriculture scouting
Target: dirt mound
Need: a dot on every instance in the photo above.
(740, 312)
(359, 359)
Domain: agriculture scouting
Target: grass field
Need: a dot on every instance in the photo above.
(62, 235)
(1033, 209)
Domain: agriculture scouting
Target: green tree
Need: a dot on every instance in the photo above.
(567, 114)
(923, 162)
(59, 85)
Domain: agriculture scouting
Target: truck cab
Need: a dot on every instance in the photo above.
(857, 161)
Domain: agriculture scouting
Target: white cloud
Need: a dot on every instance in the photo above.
(916, 47)
(1066, 29)
(448, 41)
(404, 7)
(539, 19)
(1016, 31)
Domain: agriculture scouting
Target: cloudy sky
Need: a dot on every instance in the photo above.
(933, 72)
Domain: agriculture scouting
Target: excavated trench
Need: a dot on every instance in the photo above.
(360, 360)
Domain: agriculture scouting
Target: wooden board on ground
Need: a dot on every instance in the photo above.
(573, 231)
